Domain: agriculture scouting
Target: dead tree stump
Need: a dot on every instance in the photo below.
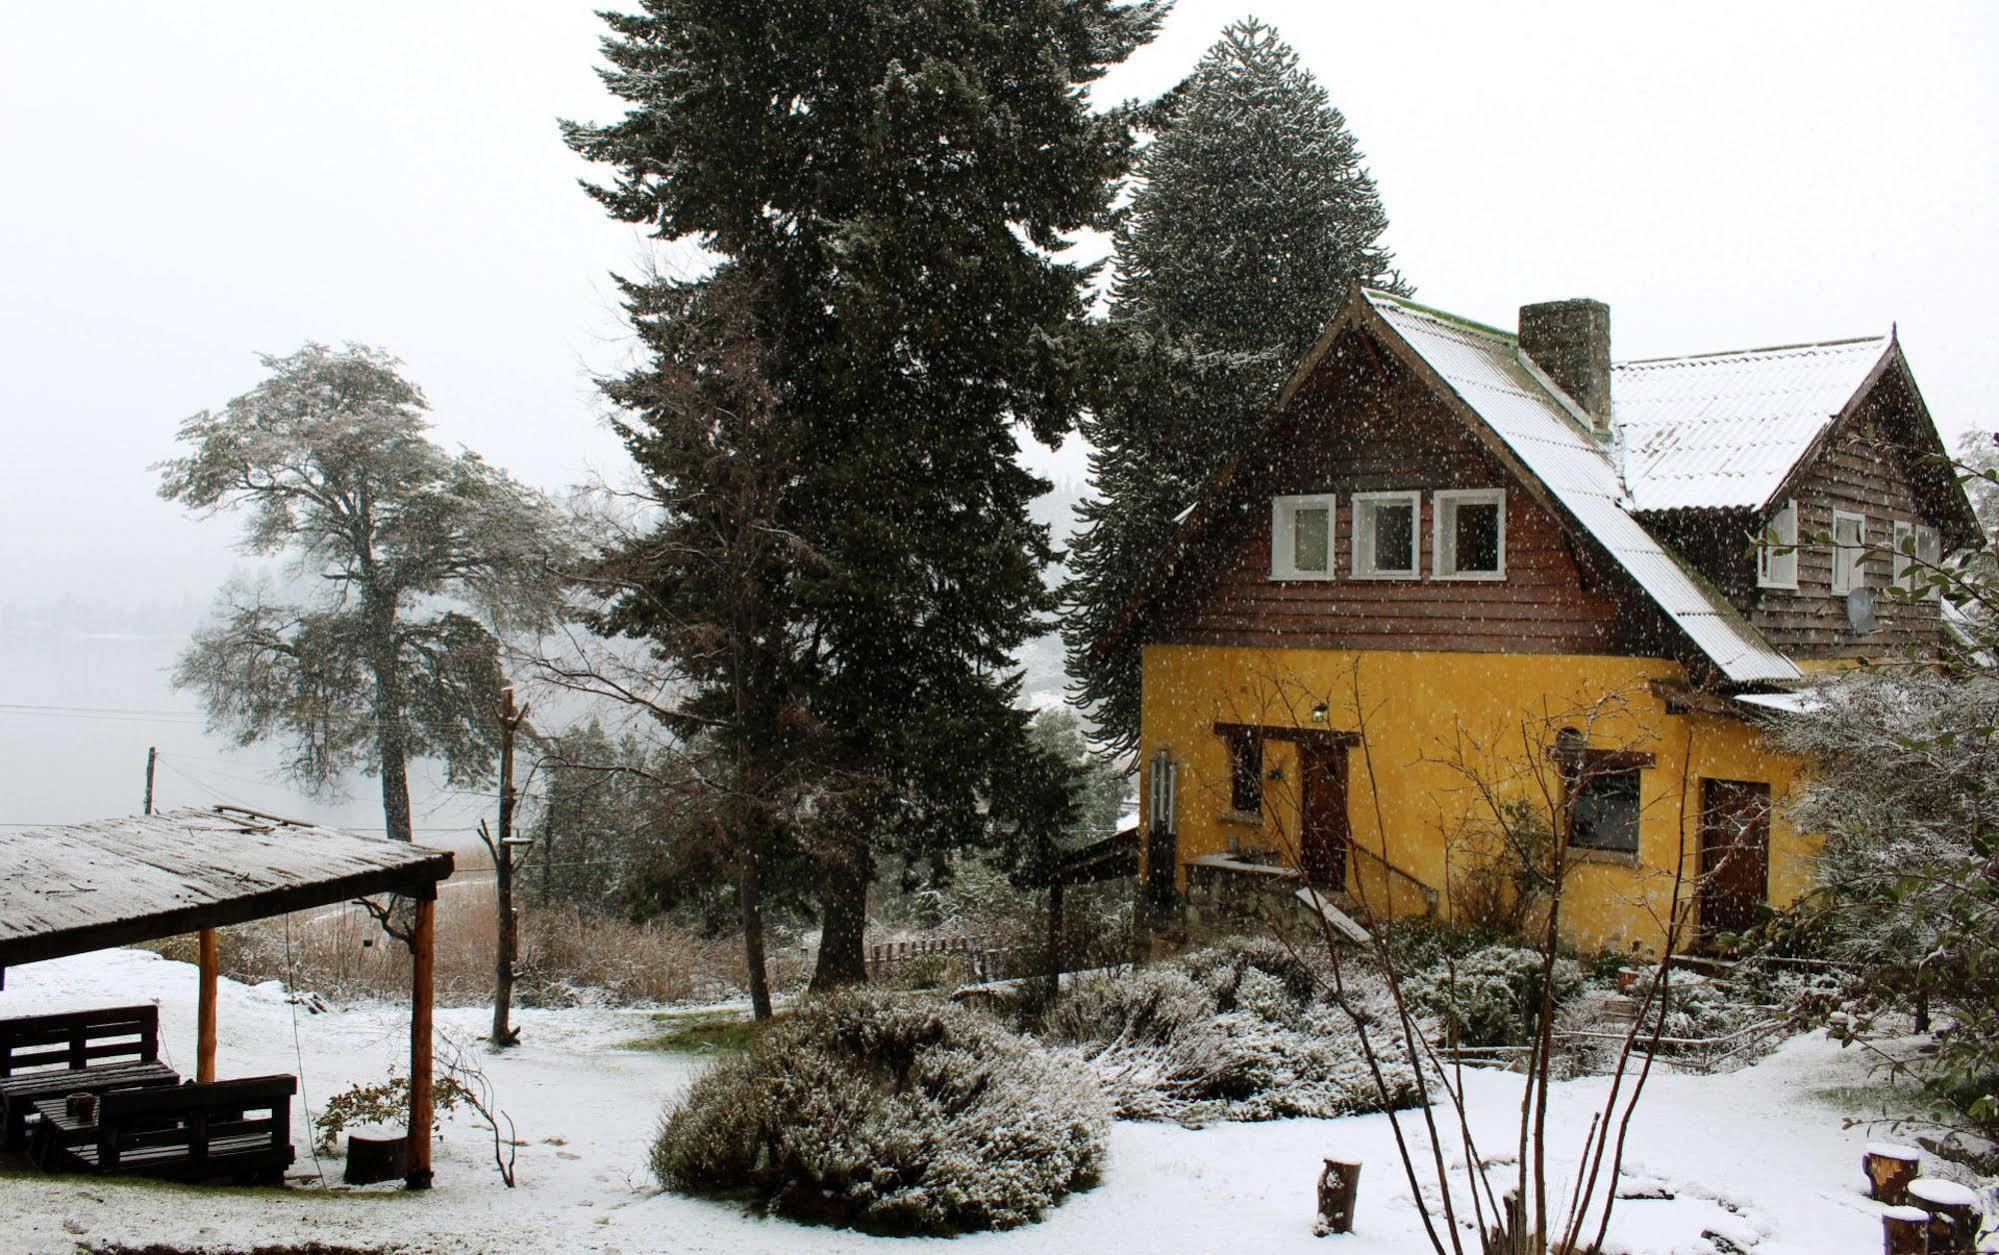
(1339, 1187)
(1905, 1231)
(1889, 1170)
(376, 1156)
(1953, 1212)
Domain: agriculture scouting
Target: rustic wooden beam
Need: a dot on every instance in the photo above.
(423, 978)
(204, 1033)
(1284, 732)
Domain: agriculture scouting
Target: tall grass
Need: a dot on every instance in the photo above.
(568, 956)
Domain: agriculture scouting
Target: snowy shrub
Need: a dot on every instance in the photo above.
(1238, 1031)
(1488, 997)
(891, 1114)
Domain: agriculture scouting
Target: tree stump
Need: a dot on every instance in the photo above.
(1339, 1186)
(376, 1156)
(1889, 1170)
(1905, 1231)
(1953, 1212)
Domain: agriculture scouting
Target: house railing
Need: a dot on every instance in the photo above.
(1392, 878)
(984, 958)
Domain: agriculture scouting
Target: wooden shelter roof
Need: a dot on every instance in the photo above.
(77, 888)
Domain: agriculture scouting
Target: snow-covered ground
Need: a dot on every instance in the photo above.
(1758, 1157)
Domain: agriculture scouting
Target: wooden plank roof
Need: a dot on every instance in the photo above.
(82, 887)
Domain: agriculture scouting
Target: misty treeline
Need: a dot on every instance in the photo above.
(800, 616)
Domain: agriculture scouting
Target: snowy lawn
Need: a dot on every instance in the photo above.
(1758, 1157)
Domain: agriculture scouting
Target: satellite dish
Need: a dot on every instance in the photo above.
(1860, 611)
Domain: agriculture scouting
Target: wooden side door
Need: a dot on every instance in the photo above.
(1323, 833)
(1735, 855)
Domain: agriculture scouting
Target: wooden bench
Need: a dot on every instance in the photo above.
(238, 1129)
(91, 1052)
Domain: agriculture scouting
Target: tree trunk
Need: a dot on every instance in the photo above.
(750, 890)
(508, 944)
(843, 918)
(391, 737)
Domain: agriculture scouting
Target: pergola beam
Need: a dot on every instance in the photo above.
(204, 1032)
(423, 980)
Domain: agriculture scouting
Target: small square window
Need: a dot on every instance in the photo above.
(1385, 525)
(1929, 556)
(1606, 815)
(1849, 547)
(1470, 534)
(1245, 773)
(1777, 551)
(1301, 537)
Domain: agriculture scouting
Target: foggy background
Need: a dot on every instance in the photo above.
(187, 185)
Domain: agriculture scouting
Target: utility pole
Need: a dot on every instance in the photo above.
(502, 850)
(152, 756)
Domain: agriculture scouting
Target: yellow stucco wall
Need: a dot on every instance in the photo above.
(1420, 713)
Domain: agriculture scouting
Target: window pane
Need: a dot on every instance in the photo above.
(1312, 539)
(1607, 812)
(1394, 536)
(1475, 538)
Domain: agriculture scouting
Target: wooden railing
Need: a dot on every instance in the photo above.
(1392, 877)
(984, 958)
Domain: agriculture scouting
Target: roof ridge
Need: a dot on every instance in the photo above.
(1770, 348)
(1441, 315)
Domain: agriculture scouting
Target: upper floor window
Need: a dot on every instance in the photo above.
(1301, 537)
(1917, 552)
(1849, 550)
(1385, 525)
(1470, 534)
(1777, 551)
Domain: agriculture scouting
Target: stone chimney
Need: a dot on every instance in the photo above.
(1570, 342)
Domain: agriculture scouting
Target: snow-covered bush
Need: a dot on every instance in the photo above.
(1489, 997)
(1239, 1031)
(892, 1114)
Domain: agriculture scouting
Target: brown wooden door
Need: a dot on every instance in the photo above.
(1735, 855)
(1323, 833)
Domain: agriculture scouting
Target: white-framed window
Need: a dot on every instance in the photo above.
(1469, 534)
(1385, 528)
(1301, 537)
(1849, 547)
(1918, 550)
(1777, 552)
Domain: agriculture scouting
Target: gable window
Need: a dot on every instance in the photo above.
(1849, 541)
(1384, 535)
(1777, 552)
(1245, 773)
(1917, 551)
(1470, 534)
(1301, 537)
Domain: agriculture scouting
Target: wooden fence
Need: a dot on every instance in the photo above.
(983, 958)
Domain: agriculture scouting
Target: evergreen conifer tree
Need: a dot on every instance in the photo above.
(892, 180)
(1253, 218)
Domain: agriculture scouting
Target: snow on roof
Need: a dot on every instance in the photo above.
(1723, 430)
(1790, 703)
(1544, 430)
(81, 887)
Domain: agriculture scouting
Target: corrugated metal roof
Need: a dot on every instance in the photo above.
(1722, 430)
(1485, 368)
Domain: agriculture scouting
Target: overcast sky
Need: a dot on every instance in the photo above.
(188, 184)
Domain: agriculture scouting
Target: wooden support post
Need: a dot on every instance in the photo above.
(1054, 938)
(204, 1032)
(423, 975)
(1889, 1169)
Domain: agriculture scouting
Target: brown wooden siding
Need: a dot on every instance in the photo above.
(1857, 472)
(1367, 431)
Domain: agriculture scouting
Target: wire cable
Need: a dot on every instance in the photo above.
(298, 1052)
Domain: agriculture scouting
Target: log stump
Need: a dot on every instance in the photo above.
(1953, 1212)
(376, 1155)
(1339, 1187)
(1905, 1231)
(1889, 1170)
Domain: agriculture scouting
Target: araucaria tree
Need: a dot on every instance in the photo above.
(1252, 219)
(407, 560)
(891, 183)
